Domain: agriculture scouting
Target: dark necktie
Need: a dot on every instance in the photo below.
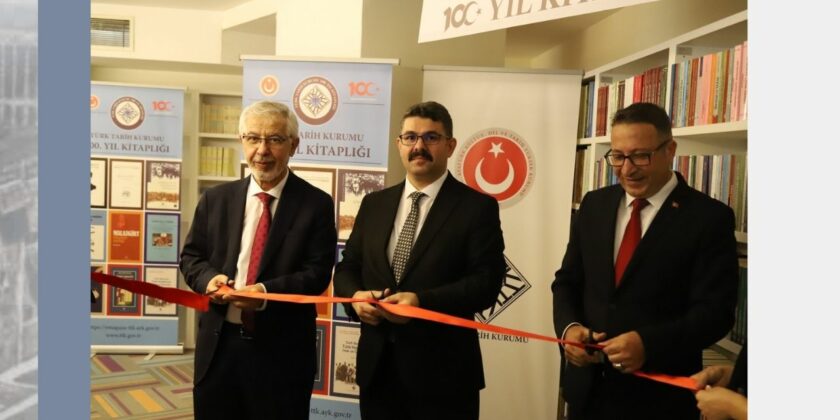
(257, 247)
(632, 236)
(406, 238)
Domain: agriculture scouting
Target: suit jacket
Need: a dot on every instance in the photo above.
(298, 258)
(678, 292)
(456, 267)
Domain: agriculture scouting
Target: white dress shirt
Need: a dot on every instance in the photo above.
(253, 211)
(647, 214)
(404, 209)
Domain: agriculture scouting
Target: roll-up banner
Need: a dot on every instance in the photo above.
(516, 142)
(135, 199)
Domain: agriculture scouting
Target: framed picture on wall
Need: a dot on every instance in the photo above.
(322, 178)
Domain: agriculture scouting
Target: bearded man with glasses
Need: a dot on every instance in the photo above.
(270, 232)
(650, 272)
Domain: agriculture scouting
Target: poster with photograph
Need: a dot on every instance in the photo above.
(125, 237)
(352, 187)
(345, 339)
(121, 301)
(163, 185)
(321, 178)
(126, 182)
(162, 238)
(322, 357)
(339, 313)
(97, 291)
(98, 182)
(163, 277)
(98, 230)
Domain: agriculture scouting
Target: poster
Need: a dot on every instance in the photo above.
(345, 343)
(125, 236)
(321, 178)
(98, 182)
(162, 238)
(163, 277)
(163, 185)
(126, 184)
(352, 187)
(98, 230)
(121, 301)
(322, 357)
(97, 291)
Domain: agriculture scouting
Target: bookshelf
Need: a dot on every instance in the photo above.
(218, 149)
(663, 74)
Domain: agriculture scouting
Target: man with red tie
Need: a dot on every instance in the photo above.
(270, 232)
(650, 273)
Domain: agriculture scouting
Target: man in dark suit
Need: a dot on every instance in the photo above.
(650, 272)
(418, 369)
(270, 232)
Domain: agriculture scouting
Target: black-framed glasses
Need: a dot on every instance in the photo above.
(408, 139)
(254, 140)
(637, 159)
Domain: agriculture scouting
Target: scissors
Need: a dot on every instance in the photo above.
(590, 339)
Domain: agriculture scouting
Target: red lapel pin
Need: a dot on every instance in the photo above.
(675, 205)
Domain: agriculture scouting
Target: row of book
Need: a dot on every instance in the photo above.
(216, 118)
(710, 89)
(218, 161)
(739, 330)
(648, 86)
(723, 177)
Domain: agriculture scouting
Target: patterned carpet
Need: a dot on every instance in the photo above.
(129, 386)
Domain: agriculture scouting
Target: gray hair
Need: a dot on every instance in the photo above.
(270, 109)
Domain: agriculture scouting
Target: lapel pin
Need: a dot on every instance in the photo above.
(675, 205)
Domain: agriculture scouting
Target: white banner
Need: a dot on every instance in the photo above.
(444, 19)
(516, 141)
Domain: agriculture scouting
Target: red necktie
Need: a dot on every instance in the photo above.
(632, 236)
(257, 247)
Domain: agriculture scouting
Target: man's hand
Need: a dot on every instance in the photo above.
(243, 302)
(368, 313)
(576, 355)
(717, 375)
(626, 352)
(719, 403)
(213, 286)
(401, 298)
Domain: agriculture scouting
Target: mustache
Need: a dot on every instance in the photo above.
(420, 153)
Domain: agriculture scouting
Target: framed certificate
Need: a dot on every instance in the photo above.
(98, 182)
(126, 184)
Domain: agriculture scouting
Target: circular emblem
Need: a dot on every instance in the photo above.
(315, 100)
(127, 113)
(497, 162)
(94, 102)
(269, 85)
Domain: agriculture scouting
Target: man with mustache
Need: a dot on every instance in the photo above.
(650, 273)
(431, 242)
(270, 232)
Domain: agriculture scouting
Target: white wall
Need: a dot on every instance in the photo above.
(166, 34)
(319, 28)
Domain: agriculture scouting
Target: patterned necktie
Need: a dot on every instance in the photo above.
(406, 239)
(632, 236)
(257, 247)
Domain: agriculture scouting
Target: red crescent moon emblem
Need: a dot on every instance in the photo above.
(268, 85)
(496, 166)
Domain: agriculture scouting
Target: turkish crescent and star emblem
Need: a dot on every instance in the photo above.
(269, 85)
(497, 162)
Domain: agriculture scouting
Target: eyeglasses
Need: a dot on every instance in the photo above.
(430, 138)
(637, 159)
(272, 141)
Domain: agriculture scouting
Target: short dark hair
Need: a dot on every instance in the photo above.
(433, 111)
(645, 113)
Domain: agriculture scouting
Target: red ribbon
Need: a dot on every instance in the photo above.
(201, 302)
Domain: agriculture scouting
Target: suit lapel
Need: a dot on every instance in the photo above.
(660, 225)
(606, 231)
(236, 212)
(446, 202)
(287, 209)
